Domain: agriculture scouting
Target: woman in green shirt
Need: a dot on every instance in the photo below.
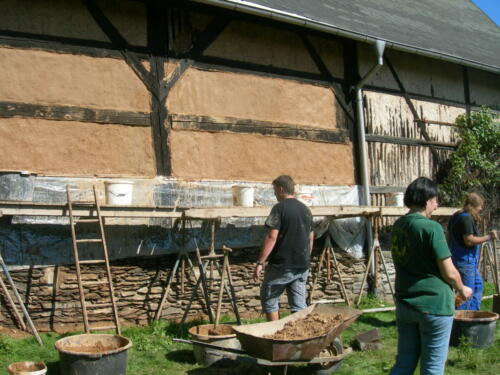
(425, 279)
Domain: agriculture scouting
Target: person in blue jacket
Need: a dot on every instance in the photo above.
(464, 241)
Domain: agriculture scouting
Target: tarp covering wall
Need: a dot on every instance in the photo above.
(30, 240)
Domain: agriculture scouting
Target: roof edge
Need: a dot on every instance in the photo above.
(298, 20)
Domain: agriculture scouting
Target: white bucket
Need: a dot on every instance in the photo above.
(243, 196)
(394, 199)
(119, 192)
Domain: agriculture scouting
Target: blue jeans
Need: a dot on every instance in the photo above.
(276, 280)
(421, 336)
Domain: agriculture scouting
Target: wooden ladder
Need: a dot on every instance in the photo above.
(91, 205)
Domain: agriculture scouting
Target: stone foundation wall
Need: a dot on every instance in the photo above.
(54, 304)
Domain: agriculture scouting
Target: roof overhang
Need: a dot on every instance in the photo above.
(249, 7)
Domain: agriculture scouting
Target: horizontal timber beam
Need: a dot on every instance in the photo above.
(71, 113)
(60, 44)
(61, 209)
(246, 126)
(409, 142)
(9, 208)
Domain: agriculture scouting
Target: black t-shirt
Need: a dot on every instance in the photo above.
(461, 225)
(294, 223)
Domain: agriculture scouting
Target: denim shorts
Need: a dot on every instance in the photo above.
(276, 281)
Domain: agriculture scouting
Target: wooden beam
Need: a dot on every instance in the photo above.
(412, 108)
(465, 74)
(72, 113)
(409, 141)
(246, 126)
(334, 211)
(157, 33)
(214, 62)
(60, 44)
(434, 122)
(10, 208)
(326, 73)
(117, 39)
(413, 95)
(61, 209)
(209, 35)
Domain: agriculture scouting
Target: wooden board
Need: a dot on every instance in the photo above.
(45, 209)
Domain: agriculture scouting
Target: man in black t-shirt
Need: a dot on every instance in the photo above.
(287, 248)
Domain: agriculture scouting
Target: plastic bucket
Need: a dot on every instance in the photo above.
(394, 199)
(243, 196)
(206, 356)
(93, 354)
(27, 368)
(119, 192)
(477, 326)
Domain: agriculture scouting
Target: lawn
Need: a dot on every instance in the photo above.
(154, 351)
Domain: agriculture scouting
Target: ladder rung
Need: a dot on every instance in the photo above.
(98, 305)
(92, 261)
(86, 220)
(103, 328)
(94, 282)
(89, 240)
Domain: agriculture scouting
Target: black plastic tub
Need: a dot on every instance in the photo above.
(478, 327)
(97, 354)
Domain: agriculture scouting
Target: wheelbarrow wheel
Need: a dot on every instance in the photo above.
(327, 368)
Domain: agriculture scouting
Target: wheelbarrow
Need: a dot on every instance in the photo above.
(323, 353)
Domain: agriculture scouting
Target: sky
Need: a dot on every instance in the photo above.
(491, 8)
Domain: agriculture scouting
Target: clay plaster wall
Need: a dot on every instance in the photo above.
(259, 158)
(70, 18)
(485, 88)
(419, 74)
(244, 41)
(39, 77)
(73, 148)
(246, 96)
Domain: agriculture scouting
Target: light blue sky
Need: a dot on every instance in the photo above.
(491, 8)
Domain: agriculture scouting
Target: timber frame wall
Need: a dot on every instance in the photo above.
(165, 43)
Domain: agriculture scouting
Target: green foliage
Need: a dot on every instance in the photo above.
(475, 164)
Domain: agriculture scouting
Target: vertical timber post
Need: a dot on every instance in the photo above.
(157, 32)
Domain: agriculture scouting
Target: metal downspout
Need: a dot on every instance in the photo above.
(360, 125)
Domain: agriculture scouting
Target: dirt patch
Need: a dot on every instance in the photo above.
(14, 333)
(19, 367)
(94, 349)
(221, 330)
(312, 325)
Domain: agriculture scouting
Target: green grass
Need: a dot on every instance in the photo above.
(154, 351)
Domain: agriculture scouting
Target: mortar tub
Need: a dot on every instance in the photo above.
(27, 368)
(477, 326)
(206, 356)
(253, 342)
(93, 354)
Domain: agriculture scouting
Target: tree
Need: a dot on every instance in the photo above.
(475, 164)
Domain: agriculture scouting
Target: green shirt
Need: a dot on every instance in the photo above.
(416, 244)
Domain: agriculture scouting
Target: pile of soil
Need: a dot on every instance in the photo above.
(221, 330)
(14, 333)
(312, 325)
(95, 349)
(20, 367)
